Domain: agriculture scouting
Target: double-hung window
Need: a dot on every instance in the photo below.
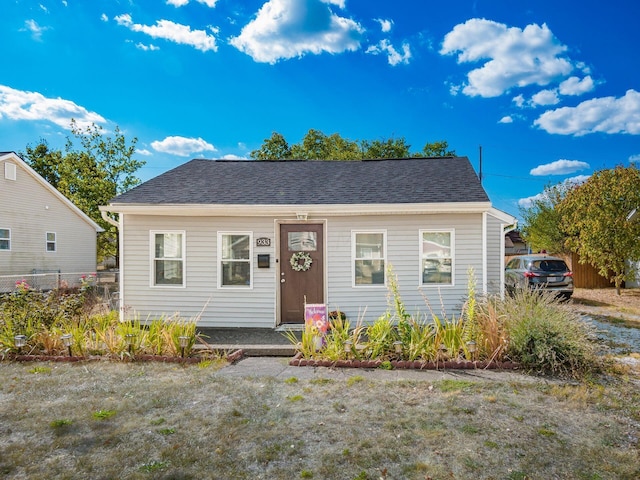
(51, 243)
(369, 257)
(168, 261)
(437, 257)
(234, 255)
(5, 239)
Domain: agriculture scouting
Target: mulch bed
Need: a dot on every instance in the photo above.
(299, 361)
(232, 357)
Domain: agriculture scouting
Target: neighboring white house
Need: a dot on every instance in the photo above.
(218, 240)
(40, 229)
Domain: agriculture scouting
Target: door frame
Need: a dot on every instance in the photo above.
(278, 260)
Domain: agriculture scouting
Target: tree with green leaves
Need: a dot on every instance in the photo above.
(273, 148)
(89, 175)
(541, 228)
(316, 145)
(594, 216)
(438, 149)
(390, 148)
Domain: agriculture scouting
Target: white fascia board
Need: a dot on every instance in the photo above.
(502, 216)
(25, 166)
(311, 209)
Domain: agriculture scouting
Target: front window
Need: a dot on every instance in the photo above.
(234, 254)
(168, 258)
(51, 242)
(437, 257)
(5, 239)
(369, 255)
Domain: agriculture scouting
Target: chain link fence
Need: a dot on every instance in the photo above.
(103, 283)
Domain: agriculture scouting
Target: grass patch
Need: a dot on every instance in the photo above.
(103, 414)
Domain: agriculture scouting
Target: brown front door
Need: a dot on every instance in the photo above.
(307, 280)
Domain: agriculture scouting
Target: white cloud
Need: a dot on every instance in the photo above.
(604, 115)
(104, 17)
(559, 167)
(231, 156)
(545, 97)
(182, 3)
(286, 29)
(175, 32)
(577, 180)
(567, 183)
(506, 119)
(182, 146)
(150, 47)
(576, 86)
(634, 158)
(33, 106)
(519, 100)
(144, 152)
(528, 201)
(385, 25)
(513, 57)
(35, 29)
(393, 56)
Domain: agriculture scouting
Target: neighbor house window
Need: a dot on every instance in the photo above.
(5, 239)
(369, 255)
(168, 258)
(437, 257)
(51, 242)
(234, 254)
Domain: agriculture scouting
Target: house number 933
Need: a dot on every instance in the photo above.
(263, 242)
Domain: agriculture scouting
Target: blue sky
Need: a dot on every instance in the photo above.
(550, 90)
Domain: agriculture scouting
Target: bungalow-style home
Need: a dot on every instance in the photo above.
(41, 231)
(247, 243)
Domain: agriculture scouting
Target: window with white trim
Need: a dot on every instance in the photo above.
(168, 259)
(50, 242)
(369, 257)
(437, 257)
(234, 257)
(5, 239)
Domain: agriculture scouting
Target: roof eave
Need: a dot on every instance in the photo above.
(203, 210)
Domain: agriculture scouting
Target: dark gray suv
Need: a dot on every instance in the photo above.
(539, 272)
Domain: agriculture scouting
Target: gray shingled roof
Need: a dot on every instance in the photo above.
(298, 182)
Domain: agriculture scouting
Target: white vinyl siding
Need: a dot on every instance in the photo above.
(256, 307)
(234, 256)
(202, 300)
(437, 255)
(5, 239)
(403, 258)
(495, 252)
(168, 261)
(368, 258)
(30, 210)
(50, 242)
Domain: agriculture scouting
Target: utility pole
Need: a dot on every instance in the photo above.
(480, 171)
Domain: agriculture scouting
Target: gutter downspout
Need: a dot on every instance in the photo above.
(109, 220)
(505, 229)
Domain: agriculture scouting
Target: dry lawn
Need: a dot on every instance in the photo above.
(108, 420)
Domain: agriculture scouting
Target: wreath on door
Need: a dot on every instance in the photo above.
(300, 261)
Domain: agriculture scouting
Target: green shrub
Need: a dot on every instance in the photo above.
(545, 337)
